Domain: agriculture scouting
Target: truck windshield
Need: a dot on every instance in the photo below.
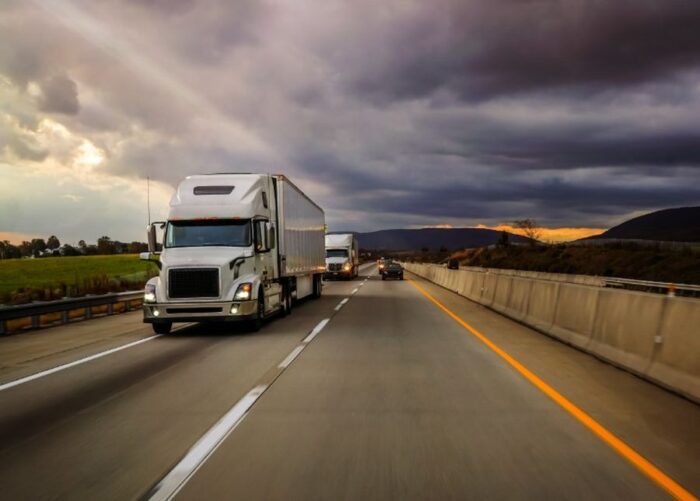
(336, 253)
(216, 233)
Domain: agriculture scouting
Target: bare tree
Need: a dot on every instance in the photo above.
(529, 228)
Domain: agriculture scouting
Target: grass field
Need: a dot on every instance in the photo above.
(72, 275)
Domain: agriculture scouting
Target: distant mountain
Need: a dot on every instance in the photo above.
(670, 225)
(432, 238)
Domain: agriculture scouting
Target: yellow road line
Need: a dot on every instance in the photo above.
(646, 467)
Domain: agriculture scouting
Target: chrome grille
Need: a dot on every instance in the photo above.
(193, 282)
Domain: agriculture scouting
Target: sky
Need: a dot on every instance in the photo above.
(397, 114)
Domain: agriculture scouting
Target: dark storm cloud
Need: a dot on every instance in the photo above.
(394, 113)
(59, 95)
(567, 201)
(482, 49)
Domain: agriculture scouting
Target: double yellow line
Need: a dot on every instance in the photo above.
(646, 467)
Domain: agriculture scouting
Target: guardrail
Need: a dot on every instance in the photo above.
(659, 287)
(668, 288)
(64, 306)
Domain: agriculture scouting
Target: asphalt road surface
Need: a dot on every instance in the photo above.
(374, 391)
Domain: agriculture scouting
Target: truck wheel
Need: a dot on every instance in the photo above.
(317, 287)
(256, 324)
(162, 327)
(286, 300)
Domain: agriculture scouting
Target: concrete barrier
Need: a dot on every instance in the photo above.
(519, 298)
(625, 326)
(676, 360)
(656, 337)
(542, 305)
(501, 293)
(575, 314)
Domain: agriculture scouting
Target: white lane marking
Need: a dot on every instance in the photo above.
(341, 304)
(316, 330)
(290, 358)
(59, 368)
(355, 290)
(205, 447)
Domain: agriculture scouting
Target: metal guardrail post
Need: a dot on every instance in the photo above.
(3, 327)
(65, 317)
(36, 321)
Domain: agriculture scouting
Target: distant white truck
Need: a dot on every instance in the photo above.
(342, 256)
(236, 247)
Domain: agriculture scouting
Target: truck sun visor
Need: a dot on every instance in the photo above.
(213, 190)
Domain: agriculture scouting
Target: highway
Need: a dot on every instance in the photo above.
(378, 390)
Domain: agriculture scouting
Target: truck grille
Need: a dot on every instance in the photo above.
(194, 282)
(335, 267)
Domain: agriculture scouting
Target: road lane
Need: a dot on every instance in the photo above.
(114, 426)
(393, 400)
(388, 398)
(660, 425)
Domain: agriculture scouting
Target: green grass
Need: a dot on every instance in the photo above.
(72, 275)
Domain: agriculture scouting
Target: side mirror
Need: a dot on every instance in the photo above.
(270, 235)
(147, 256)
(152, 236)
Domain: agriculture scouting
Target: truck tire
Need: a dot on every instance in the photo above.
(286, 300)
(317, 287)
(257, 322)
(162, 327)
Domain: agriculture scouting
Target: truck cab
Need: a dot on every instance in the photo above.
(342, 259)
(226, 251)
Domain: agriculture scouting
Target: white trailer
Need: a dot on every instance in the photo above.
(342, 255)
(236, 247)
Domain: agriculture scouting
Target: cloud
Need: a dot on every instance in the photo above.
(576, 114)
(59, 94)
(480, 49)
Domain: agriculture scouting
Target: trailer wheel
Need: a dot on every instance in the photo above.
(162, 327)
(318, 286)
(286, 300)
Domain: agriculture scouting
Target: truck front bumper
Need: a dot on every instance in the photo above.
(230, 311)
(337, 274)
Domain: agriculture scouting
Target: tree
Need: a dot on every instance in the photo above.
(69, 250)
(25, 249)
(503, 240)
(529, 228)
(82, 244)
(8, 251)
(105, 245)
(53, 242)
(38, 246)
(136, 247)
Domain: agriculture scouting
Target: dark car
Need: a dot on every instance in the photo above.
(453, 264)
(392, 270)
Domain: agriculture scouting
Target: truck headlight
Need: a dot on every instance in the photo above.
(244, 292)
(149, 295)
(346, 267)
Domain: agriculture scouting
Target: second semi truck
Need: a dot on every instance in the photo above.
(342, 255)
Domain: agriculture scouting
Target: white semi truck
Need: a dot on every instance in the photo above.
(236, 247)
(342, 255)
